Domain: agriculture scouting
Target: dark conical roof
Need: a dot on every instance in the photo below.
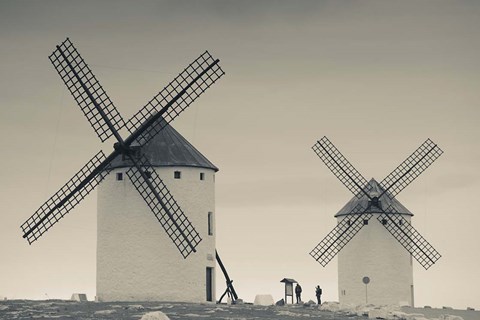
(385, 202)
(168, 149)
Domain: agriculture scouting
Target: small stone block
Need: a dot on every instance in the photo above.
(156, 315)
(80, 297)
(263, 300)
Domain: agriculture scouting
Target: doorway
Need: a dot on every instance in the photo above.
(209, 284)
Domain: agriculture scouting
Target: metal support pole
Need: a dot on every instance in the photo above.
(366, 293)
(227, 278)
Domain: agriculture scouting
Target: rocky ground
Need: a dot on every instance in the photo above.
(58, 309)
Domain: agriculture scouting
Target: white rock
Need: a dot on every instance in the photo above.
(280, 302)
(263, 300)
(368, 310)
(362, 310)
(379, 314)
(309, 303)
(449, 317)
(156, 315)
(135, 307)
(105, 311)
(415, 316)
(330, 306)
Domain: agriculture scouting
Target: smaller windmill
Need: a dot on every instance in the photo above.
(382, 252)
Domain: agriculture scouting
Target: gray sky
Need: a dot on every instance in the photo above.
(376, 77)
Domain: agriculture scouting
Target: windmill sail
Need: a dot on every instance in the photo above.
(176, 97)
(411, 168)
(340, 167)
(343, 232)
(86, 90)
(64, 200)
(409, 238)
(164, 207)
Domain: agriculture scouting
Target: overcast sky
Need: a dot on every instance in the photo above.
(376, 77)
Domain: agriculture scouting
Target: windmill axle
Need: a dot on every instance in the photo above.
(126, 150)
(375, 202)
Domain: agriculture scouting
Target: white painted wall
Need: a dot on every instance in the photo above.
(375, 253)
(136, 260)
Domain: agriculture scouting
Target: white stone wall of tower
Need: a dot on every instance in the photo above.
(136, 260)
(375, 253)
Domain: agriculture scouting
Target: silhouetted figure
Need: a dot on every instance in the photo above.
(298, 293)
(318, 293)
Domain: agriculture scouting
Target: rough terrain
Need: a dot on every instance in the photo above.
(59, 309)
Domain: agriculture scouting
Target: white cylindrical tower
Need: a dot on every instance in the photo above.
(375, 253)
(136, 260)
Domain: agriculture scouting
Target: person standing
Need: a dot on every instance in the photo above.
(298, 293)
(318, 293)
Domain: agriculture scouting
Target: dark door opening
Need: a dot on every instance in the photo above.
(209, 284)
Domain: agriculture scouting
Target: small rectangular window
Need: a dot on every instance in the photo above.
(210, 223)
(177, 174)
(202, 176)
(119, 176)
(365, 222)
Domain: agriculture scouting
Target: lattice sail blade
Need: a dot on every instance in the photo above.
(409, 238)
(86, 90)
(336, 239)
(55, 208)
(341, 167)
(411, 168)
(177, 96)
(165, 208)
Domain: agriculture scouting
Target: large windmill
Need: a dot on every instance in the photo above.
(133, 156)
(376, 265)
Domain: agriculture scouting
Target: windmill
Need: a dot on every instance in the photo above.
(381, 255)
(144, 127)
